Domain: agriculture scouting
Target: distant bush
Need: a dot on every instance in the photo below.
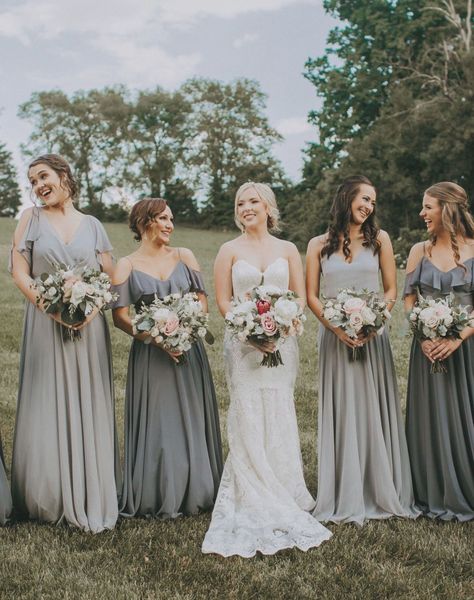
(403, 243)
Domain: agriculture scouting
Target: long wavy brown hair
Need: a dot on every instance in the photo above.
(455, 215)
(341, 218)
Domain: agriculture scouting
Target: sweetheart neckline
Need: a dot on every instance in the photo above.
(256, 268)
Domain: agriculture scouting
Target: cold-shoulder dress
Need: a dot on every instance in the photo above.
(173, 455)
(440, 407)
(64, 450)
(363, 462)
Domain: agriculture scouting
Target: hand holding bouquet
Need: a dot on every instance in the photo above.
(174, 322)
(266, 314)
(431, 319)
(358, 314)
(73, 293)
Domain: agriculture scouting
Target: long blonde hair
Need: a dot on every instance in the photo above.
(455, 215)
(265, 193)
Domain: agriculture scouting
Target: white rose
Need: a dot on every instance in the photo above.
(329, 313)
(49, 280)
(353, 305)
(78, 292)
(285, 311)
(51, 292)
(244, 308)
(107, 297)
(160, 315)
(368, 315)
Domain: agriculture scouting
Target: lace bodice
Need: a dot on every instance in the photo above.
(245, 276)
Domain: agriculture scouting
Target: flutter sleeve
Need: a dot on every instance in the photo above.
(126, 294)
(29, 237)
(102, 242)
(413, 281)
(196, 281)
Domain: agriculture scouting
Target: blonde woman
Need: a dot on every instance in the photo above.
(440, 407)
(262, 500)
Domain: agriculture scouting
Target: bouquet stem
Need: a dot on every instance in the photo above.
(359, 353)
(271, 359)
(438, 366)
(70, 335)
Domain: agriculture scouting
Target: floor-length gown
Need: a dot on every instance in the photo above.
(440, 407)
(64, 449)
(5, 495)
(363, 463)
(262, 500)
(173, 454)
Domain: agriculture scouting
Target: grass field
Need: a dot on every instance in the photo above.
(154, 559)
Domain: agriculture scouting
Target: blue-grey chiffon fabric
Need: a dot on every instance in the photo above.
(173, 455)
(5, 495)
(65, 457)
(440, 407)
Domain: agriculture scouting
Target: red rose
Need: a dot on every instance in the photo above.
(263, 306)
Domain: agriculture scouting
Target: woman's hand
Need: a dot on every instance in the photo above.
(427, 346)
(363, 339)
(263, 347)
(345, 339)
(87, 320)
(444, 347)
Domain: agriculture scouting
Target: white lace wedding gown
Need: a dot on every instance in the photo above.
(262, 499)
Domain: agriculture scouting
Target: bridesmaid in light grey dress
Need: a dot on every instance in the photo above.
(173, 456)
(440, 407)
(5, 496)
(364, 470)
(64, 450)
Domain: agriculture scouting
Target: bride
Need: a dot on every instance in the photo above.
(262, 501)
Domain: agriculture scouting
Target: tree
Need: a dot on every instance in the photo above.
(230, 142)
(10, 195)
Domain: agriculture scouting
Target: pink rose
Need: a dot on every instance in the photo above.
(263, 306)
(268, 324)
(353, 305)
(356, 321)
(171, 325)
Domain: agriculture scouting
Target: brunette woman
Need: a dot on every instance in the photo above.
(173, 456)
(363, 466)
(440, 407)
(64, 450)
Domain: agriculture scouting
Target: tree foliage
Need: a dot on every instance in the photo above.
(10, 195)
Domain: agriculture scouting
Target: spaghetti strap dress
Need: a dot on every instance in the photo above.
(363, 463)
(440, 407)
(173, 453)
(65, 456)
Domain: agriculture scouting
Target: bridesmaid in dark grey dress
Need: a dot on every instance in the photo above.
(363, 464)
(173, 456)
(64, 450)
(440, 407)
(5, 496)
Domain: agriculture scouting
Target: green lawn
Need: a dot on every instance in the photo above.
(153, 559)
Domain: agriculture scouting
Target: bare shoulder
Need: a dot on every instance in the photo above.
(383, 236)
(229, 249)
(187, 256)
(23, 221)
(122, 270)
(315, 245)
(417, 252)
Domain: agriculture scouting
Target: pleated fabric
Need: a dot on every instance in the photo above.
(440, 407)
(363, 462)
(5, 495)
(65, 455)
(173, 454)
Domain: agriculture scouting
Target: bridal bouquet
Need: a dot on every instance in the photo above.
(358, 313)
(175, 322)
(73, 292)
(266, 314)
(431, 319)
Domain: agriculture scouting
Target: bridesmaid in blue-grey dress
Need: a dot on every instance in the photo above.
(440, 407)
(173, 456)
(64, 450)
(5, 496)
(364, 470)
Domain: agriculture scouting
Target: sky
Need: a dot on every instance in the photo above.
(85, 44)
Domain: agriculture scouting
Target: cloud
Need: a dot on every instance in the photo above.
(293, 126)
(248, 38)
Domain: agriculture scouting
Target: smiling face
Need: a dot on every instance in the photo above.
(161, 228)
(431, 213)
(250, 209)
(47, 185)
(363, 204)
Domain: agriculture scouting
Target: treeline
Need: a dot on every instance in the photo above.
(193, 146)
(397, 85)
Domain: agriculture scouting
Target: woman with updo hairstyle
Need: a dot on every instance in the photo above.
(363, 463)
(173, 456)
(65, 456)
(263, 504)
(440, 406)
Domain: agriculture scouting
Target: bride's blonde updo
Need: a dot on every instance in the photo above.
(455, 215)
(265, 193)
